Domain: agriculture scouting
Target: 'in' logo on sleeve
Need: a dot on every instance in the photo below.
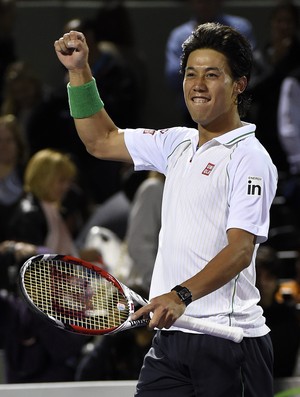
(255, 186)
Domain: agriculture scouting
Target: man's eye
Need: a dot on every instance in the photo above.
(211, 75)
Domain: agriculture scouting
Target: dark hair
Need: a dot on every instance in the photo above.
(234, 46)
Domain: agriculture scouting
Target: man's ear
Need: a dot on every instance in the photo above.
(240, 85)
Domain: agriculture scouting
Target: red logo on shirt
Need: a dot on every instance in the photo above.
(208, 169)
(152, 132)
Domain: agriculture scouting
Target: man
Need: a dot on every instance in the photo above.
(220, 183)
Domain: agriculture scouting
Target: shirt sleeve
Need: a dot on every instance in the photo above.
(252, 187)
(150, 149)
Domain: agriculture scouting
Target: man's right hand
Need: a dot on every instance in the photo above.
(72, 51)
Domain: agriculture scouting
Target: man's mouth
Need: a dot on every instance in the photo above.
(200, 99)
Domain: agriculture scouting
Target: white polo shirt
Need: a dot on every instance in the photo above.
(229, 182)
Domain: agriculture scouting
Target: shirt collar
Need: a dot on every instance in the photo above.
(237, 135)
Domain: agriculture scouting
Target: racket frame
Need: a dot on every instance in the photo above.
(133, 299)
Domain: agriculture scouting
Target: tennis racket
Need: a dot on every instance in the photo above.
(80, 297)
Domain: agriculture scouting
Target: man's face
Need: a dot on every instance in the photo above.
(209, 90)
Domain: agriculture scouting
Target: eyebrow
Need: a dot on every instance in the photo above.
(206, 69)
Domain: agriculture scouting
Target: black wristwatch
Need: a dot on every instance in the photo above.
(184, 294)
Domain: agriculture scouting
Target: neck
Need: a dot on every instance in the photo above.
(209, 132)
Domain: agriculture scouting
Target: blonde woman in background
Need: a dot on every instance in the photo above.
(38, 218)
(41, 223)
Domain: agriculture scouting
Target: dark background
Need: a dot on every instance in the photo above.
(39, 23)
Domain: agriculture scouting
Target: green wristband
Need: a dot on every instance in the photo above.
(84, 100)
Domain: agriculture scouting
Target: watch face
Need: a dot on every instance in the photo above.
(185, 294)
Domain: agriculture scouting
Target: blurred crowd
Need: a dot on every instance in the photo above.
(56, 198)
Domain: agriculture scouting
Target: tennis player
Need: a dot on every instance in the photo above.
(220, 183)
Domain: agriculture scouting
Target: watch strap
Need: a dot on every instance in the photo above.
(183, 293)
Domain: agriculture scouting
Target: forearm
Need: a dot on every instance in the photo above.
(223, 268)
(97, 131)
(218, 272)
(92, 124)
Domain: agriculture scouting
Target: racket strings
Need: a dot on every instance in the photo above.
(75, 295)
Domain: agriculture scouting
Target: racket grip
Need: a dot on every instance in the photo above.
(207, 327)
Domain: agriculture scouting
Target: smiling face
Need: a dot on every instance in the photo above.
(210, 92)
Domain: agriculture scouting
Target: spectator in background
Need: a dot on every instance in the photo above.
(44, 220)
(289, 137)
(13, 158)
(12, 255)
(23, 92)
(106, 228)
(289, 119)
(113, 213)
(202, 11)
(113, 24)
(278, 58)
(289, 290)
(143, 228)
(281, 317)
(7, 41)
(134, 215)
(34, 350)
(38, 217)
(42, 115)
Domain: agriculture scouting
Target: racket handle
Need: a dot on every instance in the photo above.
(207, 327)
